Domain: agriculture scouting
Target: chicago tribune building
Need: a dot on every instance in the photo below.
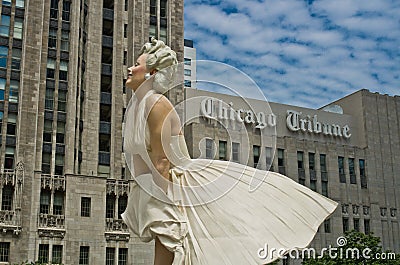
(347, 151)
(63, 180)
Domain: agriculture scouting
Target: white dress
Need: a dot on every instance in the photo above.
(221, 221)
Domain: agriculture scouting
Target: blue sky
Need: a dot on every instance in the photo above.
(304, 53)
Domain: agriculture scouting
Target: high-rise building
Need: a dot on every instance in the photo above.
(189, 64)
(63, 183)
(346, 151)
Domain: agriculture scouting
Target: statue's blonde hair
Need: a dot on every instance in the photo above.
(162, 58)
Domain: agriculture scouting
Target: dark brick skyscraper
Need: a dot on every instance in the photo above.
(62, 100)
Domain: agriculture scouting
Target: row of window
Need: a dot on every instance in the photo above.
(5, 26)
(14, 23)
(235, 156)
(56, 71)
(356, 225)
(56, 252)
(351, 166)
(15, 57)
(56, 200)
(18, 3)
(103, 168)
(81, 75)
(65, 10)
(60, 149)
(11, 132)
(158, 24)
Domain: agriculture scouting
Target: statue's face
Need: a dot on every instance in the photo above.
(136, 73)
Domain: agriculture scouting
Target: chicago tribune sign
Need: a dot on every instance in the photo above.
(296, 123)
(217, 109)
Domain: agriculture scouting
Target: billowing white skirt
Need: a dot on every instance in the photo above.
(234, 227)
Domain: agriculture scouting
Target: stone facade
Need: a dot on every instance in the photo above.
(373, 120)
(53, 212)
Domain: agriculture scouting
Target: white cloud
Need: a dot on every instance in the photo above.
(297, 52)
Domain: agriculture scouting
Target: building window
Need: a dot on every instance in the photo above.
(104, 142)
(313, 176)
(188, 83)
(352, 172)
(153, 8)
(9, 158)
(311, 161)
(49, 99)
(342, 176)
(122, 203)
(327, 225)
(281, 161)
(3, 58)
(45, 201)
(14, 87)
(2, 84)
(58, 204)
(188, 61)
(59, 165)
(62, 100)
(43, 253)
(188, 72)
(64, 40)
(356, 224)
(5, 26)
(163, 8)
(51, 66)
(54, 9)
(300, 160)
(46, 158)
(16, 59)
(300, 168)
(6, 3)
(256, 155)
(105, 113)
(60, 137)
(324, 188)
(7, 198)
(235, 152)
(363, 176)
(366, 226)
(324, 175)
(65, 11)
(269, 160)
(222, 150)
(57, 254)
(4, 251)
(18, 26)
(313, 185)
(125, 30)
(84, 255)
(110, 256)
(110, 206)
(52, 42)
(20, 3)
(63, 74)
(322, 160)
(85, 206)
(209, 148)
(11, 124)
(345, 222)
(122, 256)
